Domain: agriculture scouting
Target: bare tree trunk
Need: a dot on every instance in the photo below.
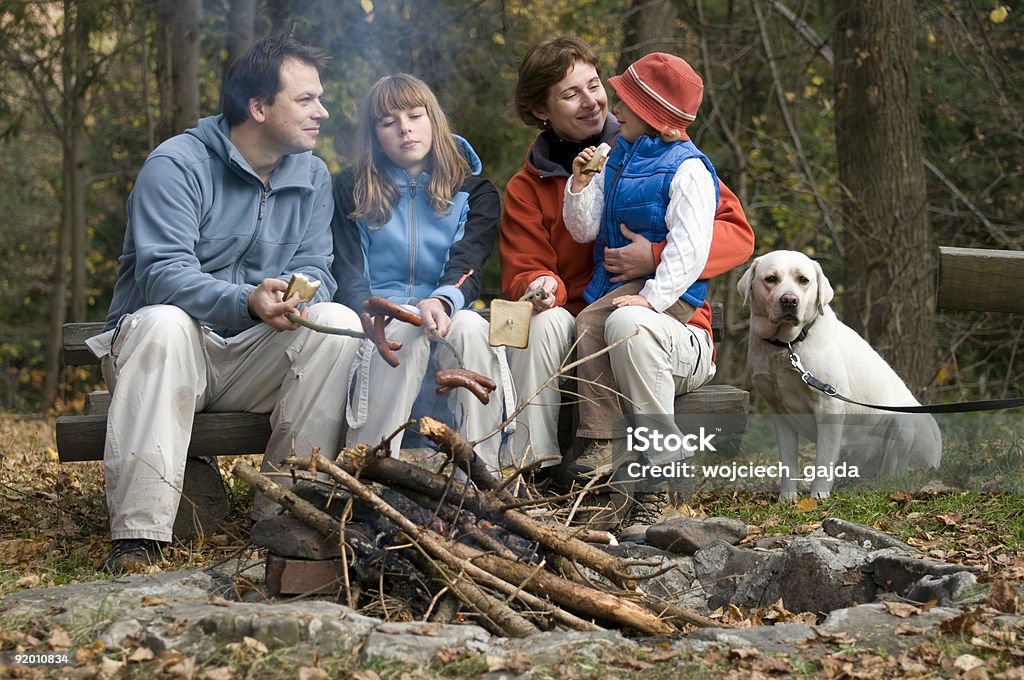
(241, 24)
(177, 69)
(890, 258)
(650, 27)
(74, 156)
(71, 237)
(185, 78)
(58, 309)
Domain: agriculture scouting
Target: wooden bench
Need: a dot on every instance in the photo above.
(980, 279)
(723, 408)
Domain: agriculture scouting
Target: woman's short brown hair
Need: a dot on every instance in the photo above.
(544, 65)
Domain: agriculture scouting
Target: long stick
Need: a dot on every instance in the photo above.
(583, 599)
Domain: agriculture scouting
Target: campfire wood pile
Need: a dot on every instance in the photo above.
(515, 591)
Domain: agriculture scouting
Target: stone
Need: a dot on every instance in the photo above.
(872, 626)
(778, 639)
(550, 649)
(866, 537)
(678, 585)
(687, 535)
(943, 589)
(288, 536)
(822, 574)
(896, 572)
(204, 500)
(738, 576)
(413, 641)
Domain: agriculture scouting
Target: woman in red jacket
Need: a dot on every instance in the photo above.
(560, 91)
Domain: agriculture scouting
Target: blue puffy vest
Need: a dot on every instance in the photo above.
(637, 178)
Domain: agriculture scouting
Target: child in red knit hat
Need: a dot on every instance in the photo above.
(658, 184)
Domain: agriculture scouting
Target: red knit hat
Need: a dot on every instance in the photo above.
(663, 90)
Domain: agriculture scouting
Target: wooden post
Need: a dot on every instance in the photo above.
(977, 279)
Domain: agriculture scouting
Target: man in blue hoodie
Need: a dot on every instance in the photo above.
(219, 219)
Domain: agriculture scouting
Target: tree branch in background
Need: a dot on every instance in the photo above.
(826, 214)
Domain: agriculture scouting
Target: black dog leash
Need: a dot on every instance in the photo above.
(959, 407)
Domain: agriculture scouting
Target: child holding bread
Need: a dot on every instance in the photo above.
(657, 183)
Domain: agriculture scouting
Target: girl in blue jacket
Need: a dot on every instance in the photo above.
(414, 223)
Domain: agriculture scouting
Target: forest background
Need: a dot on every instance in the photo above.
(862, 133)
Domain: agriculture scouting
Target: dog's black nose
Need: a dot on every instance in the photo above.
(789, 301)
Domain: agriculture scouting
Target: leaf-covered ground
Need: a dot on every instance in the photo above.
(53, 531)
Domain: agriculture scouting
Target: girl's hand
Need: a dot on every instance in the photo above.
(435, 318)
(631, 301)
(581, 179)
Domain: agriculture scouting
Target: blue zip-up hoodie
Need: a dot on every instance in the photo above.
(637, 178)
(203, 230)
(418, 253)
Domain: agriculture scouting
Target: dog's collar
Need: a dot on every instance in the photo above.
(799, 338)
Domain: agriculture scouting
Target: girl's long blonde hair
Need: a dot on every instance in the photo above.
(374, 192)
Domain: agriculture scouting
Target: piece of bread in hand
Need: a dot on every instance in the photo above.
(302, 286)
(597, 162)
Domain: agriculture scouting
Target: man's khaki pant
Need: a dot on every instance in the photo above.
(162, 367)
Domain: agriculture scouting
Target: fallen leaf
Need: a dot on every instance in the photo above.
(449, 654)
(110, 667)
(744, 652)
(59, 639)
(29, 581)
(310, 673)
(142, 654)
(153, 601)
(1004, 598)
(966, 662)
(517, 664)
(901, 609)
(364, 675)
(951, 519)
(963, 622)
(87, 653)
(226, 673)
(806, 505)
(255, 645)
(840, 638)
(184, 669)
(982, 643)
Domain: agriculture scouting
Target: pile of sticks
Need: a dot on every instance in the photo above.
(513, 596)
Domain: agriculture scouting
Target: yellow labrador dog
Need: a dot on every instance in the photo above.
(789, 308)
